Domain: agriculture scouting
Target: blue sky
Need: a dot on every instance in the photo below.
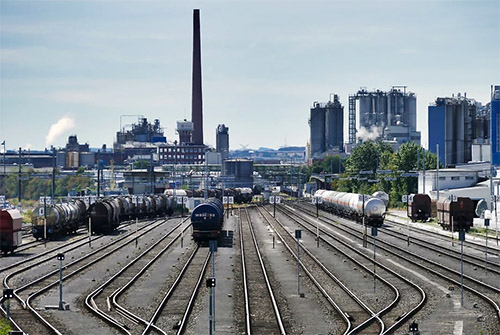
(85, 63)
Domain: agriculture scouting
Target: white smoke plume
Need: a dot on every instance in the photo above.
(64, 124)
(369, 134)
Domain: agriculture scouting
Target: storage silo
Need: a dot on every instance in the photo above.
(317, 123)
(334, 124)
(242, 170)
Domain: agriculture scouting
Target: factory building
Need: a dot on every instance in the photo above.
(326, 124)
(463, 126)
(378, 115)
(143, 132)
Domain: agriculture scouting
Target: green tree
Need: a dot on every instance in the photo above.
(4, 327)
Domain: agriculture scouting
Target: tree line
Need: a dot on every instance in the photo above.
(33, 186)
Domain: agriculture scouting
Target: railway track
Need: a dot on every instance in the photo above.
(173, 312)
(103, 301)
(492, 247)
(397, 312)
(472, 262)
(488, 293)
(358, 316)
(23, 304)
(259, 296)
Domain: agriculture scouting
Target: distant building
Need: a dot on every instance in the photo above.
(326, 125)
(181, 153)
(454, 125)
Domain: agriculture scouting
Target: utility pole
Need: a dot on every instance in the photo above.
(423, 175)
(53, 193)
(151, 172)
(4, 173)
(19, 185)
(437, 171)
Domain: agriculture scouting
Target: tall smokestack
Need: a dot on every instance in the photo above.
(197, 100)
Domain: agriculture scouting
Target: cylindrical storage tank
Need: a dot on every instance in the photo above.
(72, 159)
(87, 159)
(242, 170)
(365, 111)
(317, 126)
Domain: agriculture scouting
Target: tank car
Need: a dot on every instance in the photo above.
(245, 194)
(350, 205)
(207, 219)
(383, 196)
(105, 215)
(10, 230)
(61, 218)
(455, 215)
(419, 208)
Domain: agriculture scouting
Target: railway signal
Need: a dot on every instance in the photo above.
(414, 328)
(275, 199)
(317, 201)
(210, 283)
(60, 257)
(8, 294)
(298, 235)
(407, 198)
(374, 235)
(461, 237)
(486, 224)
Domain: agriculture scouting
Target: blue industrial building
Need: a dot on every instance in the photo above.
(436, 119)
(495, 120)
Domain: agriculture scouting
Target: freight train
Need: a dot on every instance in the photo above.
(10, 230)
(419, 208)
(105, 214)
(207, 219)
(455, 215)
(350, 205)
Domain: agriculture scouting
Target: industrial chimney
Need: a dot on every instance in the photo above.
(197, 100)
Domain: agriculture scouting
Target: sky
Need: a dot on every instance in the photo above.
(80, 67)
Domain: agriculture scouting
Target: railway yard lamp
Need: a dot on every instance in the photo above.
(8, 294)
(60, 257)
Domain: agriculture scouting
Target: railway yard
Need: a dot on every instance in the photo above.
(149, 277)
